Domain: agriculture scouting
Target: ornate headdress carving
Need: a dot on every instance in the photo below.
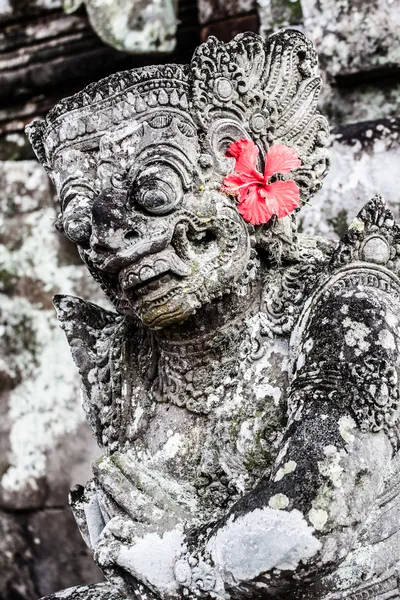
(267, 91)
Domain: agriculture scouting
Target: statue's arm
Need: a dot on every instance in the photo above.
(301, 522)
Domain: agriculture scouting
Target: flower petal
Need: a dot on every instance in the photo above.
(282, 197)
(253, 207)
(280, 159)
(238, 180)
(246, 153)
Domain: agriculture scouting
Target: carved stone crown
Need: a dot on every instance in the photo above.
(266, 91)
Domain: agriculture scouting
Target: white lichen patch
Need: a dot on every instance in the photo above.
(287, 468)
(279, 502)
(391, 319)
(330, 467)
(356, 334)
(171, 447)
(260, 541)
(347, 425)
(152, 559)
(318, 518)
(387, 340)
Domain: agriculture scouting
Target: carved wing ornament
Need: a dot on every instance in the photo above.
(95, 341)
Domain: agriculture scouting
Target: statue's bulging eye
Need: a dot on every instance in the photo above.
(158, 197)
(78, 230)
(158, 193)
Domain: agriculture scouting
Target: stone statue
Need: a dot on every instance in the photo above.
(245, 390)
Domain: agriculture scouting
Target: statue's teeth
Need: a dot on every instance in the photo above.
(160, 266)
(174, 99)
(140, 104)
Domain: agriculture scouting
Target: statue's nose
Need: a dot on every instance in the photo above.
(113, 226)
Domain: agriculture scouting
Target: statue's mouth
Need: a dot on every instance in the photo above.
(153, 269)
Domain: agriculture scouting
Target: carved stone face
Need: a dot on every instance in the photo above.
(158, 230)
(138, 160)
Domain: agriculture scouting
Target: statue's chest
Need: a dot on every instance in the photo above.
(224, 449)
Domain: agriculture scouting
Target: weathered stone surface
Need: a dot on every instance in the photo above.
(361, 102)
(276, 14)
(42, 431)
(131, 26)
(15, 561)
(215, 10)
(226, 30)
(101, 591)
(354, 36)
(358, 156)
(60, 559)
(45, 56)
(365, 159)
(358, 51)
(12, 9)
(351, 36)
(33, 267)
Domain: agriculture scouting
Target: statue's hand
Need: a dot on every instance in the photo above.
(135, 558)
(124, 487)
(144, 494)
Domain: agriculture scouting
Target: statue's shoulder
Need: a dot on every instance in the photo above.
(368, 255)
(347, 335)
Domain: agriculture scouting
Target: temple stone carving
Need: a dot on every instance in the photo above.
(244, 391)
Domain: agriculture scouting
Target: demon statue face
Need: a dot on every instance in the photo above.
(138, 160)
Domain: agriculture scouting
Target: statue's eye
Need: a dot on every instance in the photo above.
(158, 191)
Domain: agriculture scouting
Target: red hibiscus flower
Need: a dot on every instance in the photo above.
(258, 199)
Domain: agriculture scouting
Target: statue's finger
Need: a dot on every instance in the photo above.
(94, 517)
(126, 493)
(166, 494)
(77, 503)
(108, 506)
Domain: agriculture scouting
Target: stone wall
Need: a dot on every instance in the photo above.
(45, 445)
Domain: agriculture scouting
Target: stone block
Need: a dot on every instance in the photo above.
(213, 10)
(15, 561)
(364, 160)
(353, 36)
(60, 557)
(226, 30)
